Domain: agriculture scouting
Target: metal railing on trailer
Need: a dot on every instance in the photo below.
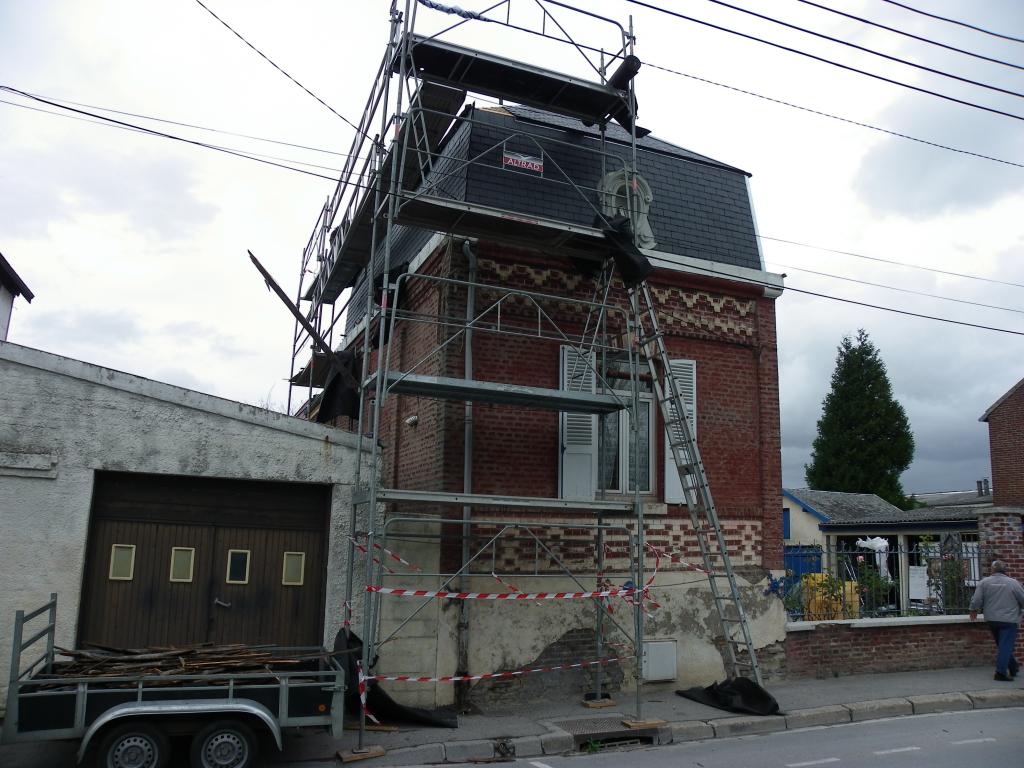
(45, 705)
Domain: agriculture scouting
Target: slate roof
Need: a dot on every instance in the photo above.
(867, 509)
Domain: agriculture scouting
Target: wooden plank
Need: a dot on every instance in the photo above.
(352, 755)
(639, 724)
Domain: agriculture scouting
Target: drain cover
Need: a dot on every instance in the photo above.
(605, 731)
(588, 726)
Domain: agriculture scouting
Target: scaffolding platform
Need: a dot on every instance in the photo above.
(496, 393)
(361, 496)
(437, 61)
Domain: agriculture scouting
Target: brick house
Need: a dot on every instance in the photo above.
(1005, 419)
(716, 306)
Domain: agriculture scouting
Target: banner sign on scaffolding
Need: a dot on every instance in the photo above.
(520, 162)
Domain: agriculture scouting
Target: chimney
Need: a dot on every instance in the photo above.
(988, 488)
(981, 487)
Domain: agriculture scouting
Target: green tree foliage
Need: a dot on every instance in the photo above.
(864, 442)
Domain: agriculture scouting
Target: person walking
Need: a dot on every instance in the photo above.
(1001, 599)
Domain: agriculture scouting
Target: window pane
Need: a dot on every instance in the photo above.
(182, 559)
(294, 564)
(122, 562)
(609, 469)
(238, 566)
(644, 467)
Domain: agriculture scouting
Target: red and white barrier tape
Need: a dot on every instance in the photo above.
(394, 556)
(488, 675)
(362, 692)
(501, 595)
(363, 549)
(346, 607)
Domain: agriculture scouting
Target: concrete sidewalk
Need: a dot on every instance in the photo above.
(559, 727)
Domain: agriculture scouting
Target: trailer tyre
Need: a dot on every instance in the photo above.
(224, 744)
(138, 744)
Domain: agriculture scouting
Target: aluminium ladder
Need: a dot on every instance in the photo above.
(696, 491)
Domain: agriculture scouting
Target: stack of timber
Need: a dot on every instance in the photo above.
(104, 662)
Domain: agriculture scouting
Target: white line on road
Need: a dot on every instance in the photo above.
(813, 762)
(971, 741)
(539, 765)
(894, 751)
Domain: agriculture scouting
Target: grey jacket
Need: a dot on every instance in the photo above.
(999, 597)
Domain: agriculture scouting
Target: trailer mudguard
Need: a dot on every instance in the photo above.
(182, 707)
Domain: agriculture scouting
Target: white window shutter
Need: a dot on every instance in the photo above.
(577, 432)
(685, 374)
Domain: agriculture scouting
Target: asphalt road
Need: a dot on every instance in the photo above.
(992, 738)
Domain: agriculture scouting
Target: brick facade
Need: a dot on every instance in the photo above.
(1006, 448)
(728, 329)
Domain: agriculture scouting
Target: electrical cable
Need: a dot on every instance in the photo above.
(810, 110)
(727, 276)
(896, 288)
(954, 21)
(106, 124)
(181, 124)
(830, 62)
(864, 49)
(275, 66)
(161, 134)
(910, 34)
(705, 270)
(891, 261)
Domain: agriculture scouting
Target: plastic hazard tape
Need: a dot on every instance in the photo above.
(504, 595)
(363, 549)
(487, 675)
(362, 692)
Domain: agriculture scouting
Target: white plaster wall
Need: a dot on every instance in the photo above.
(62, 420)
(6, 307)
(803, 528)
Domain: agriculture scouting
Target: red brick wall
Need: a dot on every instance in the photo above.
(1000, 538)
(1006, 446)
(728, 330)
(831, 650)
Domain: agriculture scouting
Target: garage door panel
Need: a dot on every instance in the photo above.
(194, 601)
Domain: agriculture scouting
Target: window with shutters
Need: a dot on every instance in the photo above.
(620, 457)
(684, 372)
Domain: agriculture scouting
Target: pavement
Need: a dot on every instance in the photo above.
(567, 726)
(545, 728)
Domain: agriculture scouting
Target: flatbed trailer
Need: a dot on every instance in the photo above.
(132, 717)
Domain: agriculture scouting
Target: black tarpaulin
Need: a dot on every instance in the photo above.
(633, 266)
(737, 694)
(382, 706)
(341, 395)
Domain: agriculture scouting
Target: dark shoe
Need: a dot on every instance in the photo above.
(1002, 678)
(1014, 668)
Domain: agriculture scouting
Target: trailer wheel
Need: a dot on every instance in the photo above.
(224, 744)
(135, 744)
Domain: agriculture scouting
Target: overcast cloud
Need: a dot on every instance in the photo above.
(135, 246)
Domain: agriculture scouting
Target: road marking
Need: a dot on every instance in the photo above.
(971, 741)
(539, 765)
(894, 751)
(813, 762)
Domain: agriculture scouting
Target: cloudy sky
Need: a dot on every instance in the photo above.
(135, 245)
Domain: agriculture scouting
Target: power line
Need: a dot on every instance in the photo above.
(954, 21)
(105, 124)
(275, 66)
(830, 62)
(153, 132)
(911, 35)
(864, 49)
(891, 261)
(789, 104)
(727, 276)
(896, 288)
(181, 124)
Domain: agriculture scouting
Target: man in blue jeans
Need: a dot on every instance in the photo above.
(1001, 599)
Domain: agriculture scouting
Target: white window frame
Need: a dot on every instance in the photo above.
(302, 570)
(191, 565)
(131, 568)
(248, 564)
(625, 465)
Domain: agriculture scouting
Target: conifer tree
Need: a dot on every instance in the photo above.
(864, 442)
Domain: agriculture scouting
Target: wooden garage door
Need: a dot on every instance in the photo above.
(175, 560)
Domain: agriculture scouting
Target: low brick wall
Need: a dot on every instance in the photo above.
(834, 649)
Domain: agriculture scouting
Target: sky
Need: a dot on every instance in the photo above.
(135, 245)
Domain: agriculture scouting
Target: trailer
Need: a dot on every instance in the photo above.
(130, 719)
